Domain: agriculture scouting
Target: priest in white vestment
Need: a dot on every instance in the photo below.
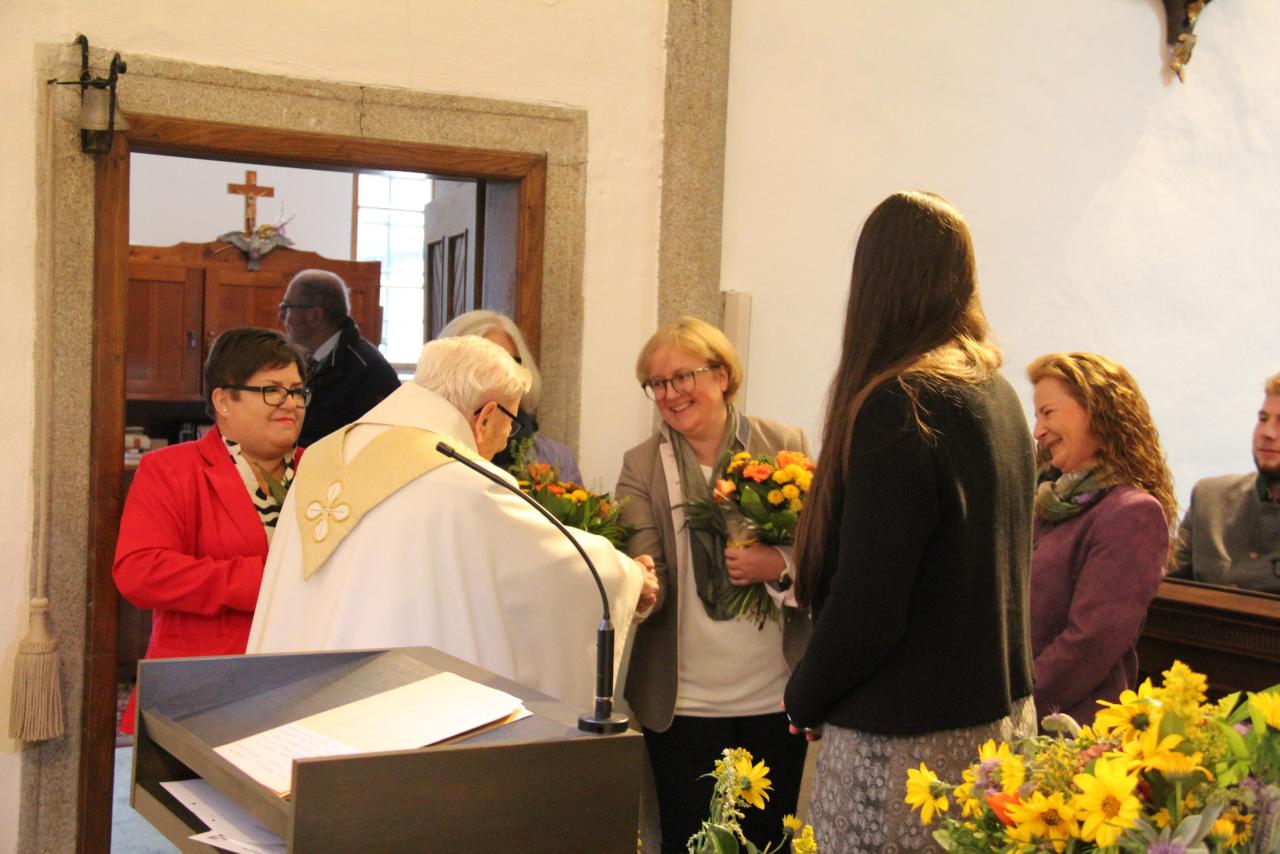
(384, 542)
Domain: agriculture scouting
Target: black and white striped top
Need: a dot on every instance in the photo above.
(268, 509)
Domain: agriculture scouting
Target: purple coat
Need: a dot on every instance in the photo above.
(1092, 580)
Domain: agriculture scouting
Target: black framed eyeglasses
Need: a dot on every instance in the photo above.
(274, 395)
(681, 381)
(515, 422)
(285, 306)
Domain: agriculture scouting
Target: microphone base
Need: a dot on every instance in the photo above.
(611, 725)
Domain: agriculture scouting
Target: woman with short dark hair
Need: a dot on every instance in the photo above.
(915, 547)
(199, 516)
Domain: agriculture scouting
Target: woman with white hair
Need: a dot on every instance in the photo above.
(503, 331)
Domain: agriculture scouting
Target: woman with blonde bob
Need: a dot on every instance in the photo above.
(1102, 526)
(700, 679)
(915, 547)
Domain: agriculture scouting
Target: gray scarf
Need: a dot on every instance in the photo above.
(706, 546)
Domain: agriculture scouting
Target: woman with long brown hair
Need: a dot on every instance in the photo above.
(914, 550)
(1102, 522)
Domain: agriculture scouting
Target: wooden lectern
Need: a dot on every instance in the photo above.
(538, 784)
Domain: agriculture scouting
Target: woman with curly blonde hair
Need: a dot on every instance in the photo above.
(1103, 511)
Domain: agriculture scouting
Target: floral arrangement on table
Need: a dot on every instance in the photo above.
(569, 502)
(741, 782)
(1160, 771)
(757, 500)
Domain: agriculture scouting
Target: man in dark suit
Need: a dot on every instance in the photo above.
(348, 375)
(1231, 533)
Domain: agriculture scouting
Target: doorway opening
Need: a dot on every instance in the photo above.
(517, 181)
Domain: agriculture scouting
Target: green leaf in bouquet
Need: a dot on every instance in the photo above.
(721, 838)
(753, 507)
(705, 514)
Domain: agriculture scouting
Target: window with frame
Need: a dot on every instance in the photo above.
(389, 228)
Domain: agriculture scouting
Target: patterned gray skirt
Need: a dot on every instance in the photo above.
(857, 801)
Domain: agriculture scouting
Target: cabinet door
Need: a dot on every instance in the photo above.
(239, 297)
(163, 356)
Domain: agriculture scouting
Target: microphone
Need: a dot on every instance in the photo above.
(602, 721)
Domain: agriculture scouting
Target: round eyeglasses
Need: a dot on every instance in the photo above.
(682, 382)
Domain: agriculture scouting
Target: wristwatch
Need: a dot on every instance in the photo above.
(784, 579)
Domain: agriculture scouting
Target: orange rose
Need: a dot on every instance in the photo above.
(539, 471)
(759, 472)
(794, 458)
(555, 489)
(725, 489)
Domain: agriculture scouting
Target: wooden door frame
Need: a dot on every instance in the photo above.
(185, 137)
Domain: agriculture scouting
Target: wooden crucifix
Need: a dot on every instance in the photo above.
(250, 190)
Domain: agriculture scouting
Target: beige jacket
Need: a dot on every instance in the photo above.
(652, 674)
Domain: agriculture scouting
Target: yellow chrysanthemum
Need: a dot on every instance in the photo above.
(926, 793)
(1043, 819)
(783, 475)
(753, 785)
(790, 491)
(1106, 806)
(791, 824)
(1268, 706)
(579, 495)
(1183, 690)
(775, 496)
(796, 505)
(804, 843)
(1134, 714)
(804, 479)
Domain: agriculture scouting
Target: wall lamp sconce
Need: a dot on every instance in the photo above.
(98, 117)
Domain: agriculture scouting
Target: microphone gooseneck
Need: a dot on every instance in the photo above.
(602, 721)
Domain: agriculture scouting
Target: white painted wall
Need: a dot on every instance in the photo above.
(1113, 208)
(607, 58)
(184, 199)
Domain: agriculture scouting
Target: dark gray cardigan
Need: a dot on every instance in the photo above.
(920, 616)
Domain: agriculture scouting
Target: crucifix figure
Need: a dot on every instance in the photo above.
(250, 190)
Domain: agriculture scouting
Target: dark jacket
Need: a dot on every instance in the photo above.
(346, 384)
(920, 616)
(1092, 579)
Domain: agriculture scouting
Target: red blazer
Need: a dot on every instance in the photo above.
(191, 549)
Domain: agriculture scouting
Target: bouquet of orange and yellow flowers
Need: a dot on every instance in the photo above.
(1162, 770)
(755, 500)
(571, 503)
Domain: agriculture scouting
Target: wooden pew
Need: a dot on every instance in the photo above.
(1230, 635)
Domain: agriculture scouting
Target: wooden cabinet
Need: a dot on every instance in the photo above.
(181, 297)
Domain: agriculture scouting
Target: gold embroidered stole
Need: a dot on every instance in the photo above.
(331, 496)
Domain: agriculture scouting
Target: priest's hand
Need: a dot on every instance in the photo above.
(753, 565)
(649, 591)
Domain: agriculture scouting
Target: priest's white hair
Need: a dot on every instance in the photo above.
(481, 322)
(469, 371)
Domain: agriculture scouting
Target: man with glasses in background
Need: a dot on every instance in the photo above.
(349, 375)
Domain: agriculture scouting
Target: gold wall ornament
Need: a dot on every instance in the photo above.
(1180, 18)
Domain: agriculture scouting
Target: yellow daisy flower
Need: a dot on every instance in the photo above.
(1268, 706)
(1106, 806)
(753, 785)
(926, 793)
(1133, 715)
(791, 824)
(1012, 772)
(1043, 819)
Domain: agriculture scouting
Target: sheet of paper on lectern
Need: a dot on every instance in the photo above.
(428, 711)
